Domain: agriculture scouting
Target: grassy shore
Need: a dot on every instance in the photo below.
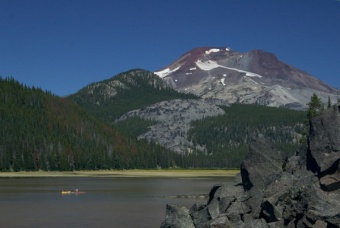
(126, 173)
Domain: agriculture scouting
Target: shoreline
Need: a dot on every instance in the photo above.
(125, 173)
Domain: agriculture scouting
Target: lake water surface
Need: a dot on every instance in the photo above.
(108, 202)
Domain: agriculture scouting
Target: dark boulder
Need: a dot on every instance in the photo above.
(262, 166)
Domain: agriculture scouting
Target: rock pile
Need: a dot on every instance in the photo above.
(275, 191)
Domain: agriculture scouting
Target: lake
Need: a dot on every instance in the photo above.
(108, 202)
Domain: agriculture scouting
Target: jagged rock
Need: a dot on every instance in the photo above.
(177, 217)
(292, 164)
(222, 191)
(302, 191)
(197, 207)
(323, 206)
(324, 145)
(324, 140)
(236, 211)
(262, 165)
(278, 224)
(331, 182)
(200, 216)
(320, 224)
(250, 222)
(221, 222)
(214, 208)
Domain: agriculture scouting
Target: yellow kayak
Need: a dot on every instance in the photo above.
(72, 192)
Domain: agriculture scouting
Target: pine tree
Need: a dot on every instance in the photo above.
(314, 107)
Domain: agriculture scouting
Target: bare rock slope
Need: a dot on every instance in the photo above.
(173, 120)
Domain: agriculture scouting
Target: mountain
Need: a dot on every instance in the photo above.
(252, 77)
(111, 98)
(132, 120)
(140, 103)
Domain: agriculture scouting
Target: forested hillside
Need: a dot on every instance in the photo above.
(40, 131)
(127, 91)
(228, 135)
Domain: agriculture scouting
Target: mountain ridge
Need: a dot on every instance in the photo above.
(243, 77)
(134, 89)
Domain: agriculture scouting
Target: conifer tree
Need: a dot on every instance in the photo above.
(314, 106)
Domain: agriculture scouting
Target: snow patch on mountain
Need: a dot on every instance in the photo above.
(212, 50)
(209, 65)
(166, 72)
(222, 81)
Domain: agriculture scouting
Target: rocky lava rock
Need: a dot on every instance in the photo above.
(274, 191)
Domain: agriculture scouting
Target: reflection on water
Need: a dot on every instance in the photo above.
(108, 202)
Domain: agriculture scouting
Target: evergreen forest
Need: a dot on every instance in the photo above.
(228, 135)
(40, 131)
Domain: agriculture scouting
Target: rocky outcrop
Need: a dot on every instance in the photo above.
(274, 191)
(173, 121)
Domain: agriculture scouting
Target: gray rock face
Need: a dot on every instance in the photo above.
(173, 121)
(301, 191)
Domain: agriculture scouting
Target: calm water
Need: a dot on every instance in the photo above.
(108, 202)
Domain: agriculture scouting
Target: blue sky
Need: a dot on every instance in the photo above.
(63, 45)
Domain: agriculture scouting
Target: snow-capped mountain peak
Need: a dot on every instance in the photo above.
(250, 77)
